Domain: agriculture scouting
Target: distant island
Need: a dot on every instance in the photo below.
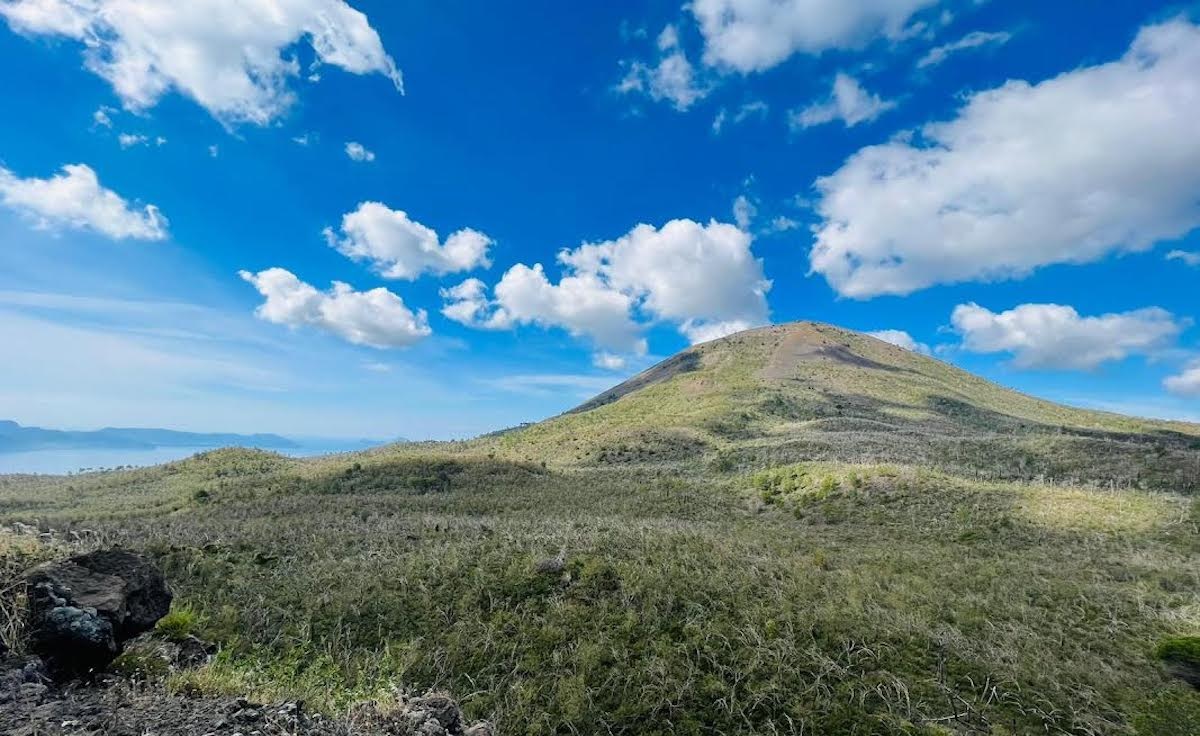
(17, 438)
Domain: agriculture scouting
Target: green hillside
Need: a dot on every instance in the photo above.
(807, 391)
(794, 530)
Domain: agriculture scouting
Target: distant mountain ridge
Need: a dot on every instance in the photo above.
(17, 438)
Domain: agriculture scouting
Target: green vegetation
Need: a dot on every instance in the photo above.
(736, 557)
(180, 623)
(1181, 649)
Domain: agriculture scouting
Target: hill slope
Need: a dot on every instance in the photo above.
(811, 391)
(795, 530)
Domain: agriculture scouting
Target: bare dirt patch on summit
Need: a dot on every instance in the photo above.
(806, 341)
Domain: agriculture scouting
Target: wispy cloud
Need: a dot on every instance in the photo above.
(547, 384)
(1187, 257)
(973, 40)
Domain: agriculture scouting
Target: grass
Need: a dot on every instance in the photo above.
(870, 599)
(750, 547)
(179, 623)
(18, 554)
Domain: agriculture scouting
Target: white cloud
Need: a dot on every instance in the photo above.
(583, 305)
(682, 271)
(129, 140)
(1098, 160)
(1187, 257)
(744, 211)
(698, 331)
(376, 318)
(673, 78)
(754, 108)
(402, 248)
(702, 278)
(230, 56)
(782, 224)
(356, 151)
(75, 199)
(304, 139)
(848, 102)
(973, 40)
(468, 304)
(1056, 336)
(901, 339)
(718, 123)
(608, 361)
(1186, 383)
(753, 35)
(101, 117)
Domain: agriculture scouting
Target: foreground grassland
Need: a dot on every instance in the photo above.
(796, 530)
(813, 598)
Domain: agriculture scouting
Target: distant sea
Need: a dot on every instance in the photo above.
(61, 462)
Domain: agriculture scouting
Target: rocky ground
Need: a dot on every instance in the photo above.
(31, 704)
(89, 650)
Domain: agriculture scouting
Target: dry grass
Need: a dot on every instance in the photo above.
(876, 599)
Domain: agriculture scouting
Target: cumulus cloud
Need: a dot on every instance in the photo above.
(399, 247)
(1056, 336)
(75, 199)
(1098, 160)
(973, 40)
(1186, 383)
(753, 35)
(848, 102)
(701, 278)
(673, 78)
(1186, 257)
(682, 271)
(356, 151)
(376, 318)
(901, 339)
(230, 56)
(583, 305)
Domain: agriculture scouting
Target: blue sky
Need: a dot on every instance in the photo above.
(1014, 187)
